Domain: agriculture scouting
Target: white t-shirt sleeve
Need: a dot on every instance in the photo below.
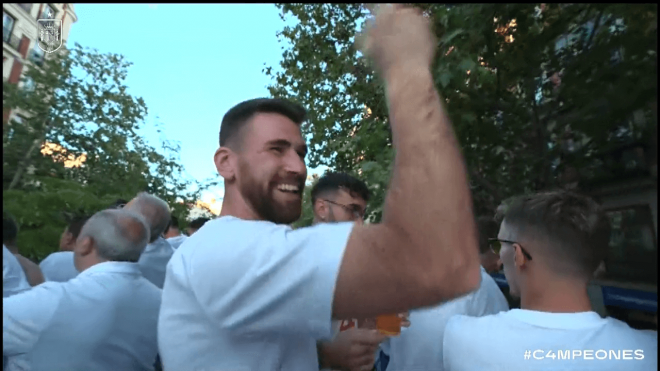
(273, 279)
(26, 315)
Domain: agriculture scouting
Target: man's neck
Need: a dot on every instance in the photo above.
(12, 248)
(234, 205)
(561, 296)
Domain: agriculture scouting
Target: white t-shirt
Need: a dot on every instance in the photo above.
(59, 266)
(105, 319)
(420, 346)
(531, 340)
(250, 295)
(14, 280)
(154, 259)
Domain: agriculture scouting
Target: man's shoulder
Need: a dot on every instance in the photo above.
(57, 256)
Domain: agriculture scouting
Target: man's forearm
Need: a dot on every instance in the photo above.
(429, 198)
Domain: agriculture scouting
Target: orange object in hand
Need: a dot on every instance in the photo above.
(389, 324)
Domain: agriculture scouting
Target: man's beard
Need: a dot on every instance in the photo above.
(264, 203)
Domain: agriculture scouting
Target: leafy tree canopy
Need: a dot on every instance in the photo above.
(75, 147)
(535, 91)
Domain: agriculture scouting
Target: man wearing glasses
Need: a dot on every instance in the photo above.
(339, 197)
(550, 245)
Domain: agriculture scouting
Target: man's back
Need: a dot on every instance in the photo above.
(420, 346)
(59, 266)
(524, 339)
(256, 298)
(154, 259)
(104, 319)
(13, 276)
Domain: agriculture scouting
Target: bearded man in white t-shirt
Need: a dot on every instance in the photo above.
(246, 292)
(550, 245)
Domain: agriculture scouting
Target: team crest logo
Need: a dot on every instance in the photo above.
(50, 34)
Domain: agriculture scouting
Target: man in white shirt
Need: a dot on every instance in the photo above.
(420, 346)
(105, 319)
(173, 235)
(13, 276)
(246, 292)
(59, 266)
(10, 240)
(155, 257)
(340, 197)
(551, 244)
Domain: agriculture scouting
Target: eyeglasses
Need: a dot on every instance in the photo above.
(355, 210)
(496, 246)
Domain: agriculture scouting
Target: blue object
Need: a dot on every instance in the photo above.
(500, 279)
(630, 299)
(382, 361)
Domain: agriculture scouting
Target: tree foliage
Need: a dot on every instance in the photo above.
(536, 92)
(76, 148)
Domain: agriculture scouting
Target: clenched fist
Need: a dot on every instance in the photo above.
(398, 35)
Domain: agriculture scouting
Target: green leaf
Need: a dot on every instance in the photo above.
(445, 79)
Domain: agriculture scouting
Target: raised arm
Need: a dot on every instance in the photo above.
(425, 250)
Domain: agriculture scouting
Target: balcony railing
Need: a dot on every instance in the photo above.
(26, 7)
(12, 40)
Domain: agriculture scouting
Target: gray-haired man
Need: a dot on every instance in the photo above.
(158, 252)
(104, 319)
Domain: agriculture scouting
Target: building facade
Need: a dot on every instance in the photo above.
(20, 33)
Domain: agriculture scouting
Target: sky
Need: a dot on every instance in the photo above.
(191, 63)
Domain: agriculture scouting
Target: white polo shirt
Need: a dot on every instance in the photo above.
(530, 340)
(154, 259)
(103, 320)
(419, 347)
(59, 266)
(250, 295)
(14, 280)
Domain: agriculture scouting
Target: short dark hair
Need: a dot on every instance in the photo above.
(198, 223)
(576, 229)
(236, 118)
(174, 222)
(120, 203)
(334, 181)
(9, 228)
(487, 228)
(76, 224)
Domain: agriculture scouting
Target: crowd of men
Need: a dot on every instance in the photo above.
(128, 291)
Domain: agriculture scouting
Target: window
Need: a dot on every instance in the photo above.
(632, 250)
(7, 26)
(48, 12)
(37, 55)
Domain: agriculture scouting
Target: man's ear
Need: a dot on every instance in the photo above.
(519, 258)
(320, 210)
(84, 246)
(225, 164)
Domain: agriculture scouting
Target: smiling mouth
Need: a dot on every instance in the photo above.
(289, 188)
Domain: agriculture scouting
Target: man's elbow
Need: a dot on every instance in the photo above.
(461, 277)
